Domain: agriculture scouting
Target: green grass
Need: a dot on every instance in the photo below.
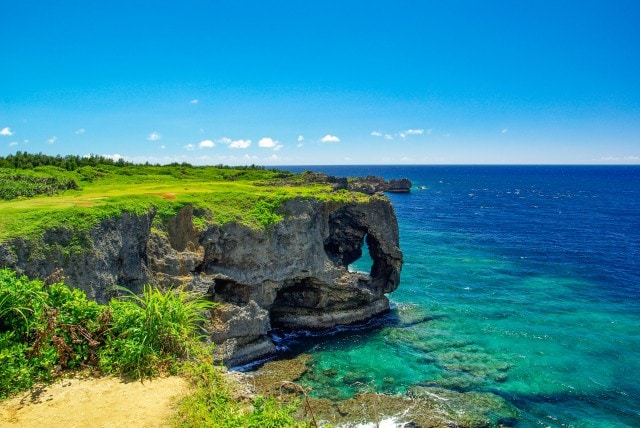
(51, 330)
(252, 197)
(211, 405)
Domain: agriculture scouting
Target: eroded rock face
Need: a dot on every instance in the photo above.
(292, 275)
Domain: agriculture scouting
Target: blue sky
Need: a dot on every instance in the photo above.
(327, 82)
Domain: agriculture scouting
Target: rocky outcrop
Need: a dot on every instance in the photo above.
(372, 185)
(292, 275)
(369, 185)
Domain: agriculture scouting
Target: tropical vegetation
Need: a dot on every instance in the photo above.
(48, 330)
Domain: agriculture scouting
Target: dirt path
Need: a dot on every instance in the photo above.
(95, 402)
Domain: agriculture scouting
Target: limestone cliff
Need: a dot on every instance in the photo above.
(292, 274)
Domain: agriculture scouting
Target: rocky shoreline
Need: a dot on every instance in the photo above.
(420, 406)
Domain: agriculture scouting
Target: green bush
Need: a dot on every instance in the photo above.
(20, 185)
(47, 329)
(152, 331)
(21, 302)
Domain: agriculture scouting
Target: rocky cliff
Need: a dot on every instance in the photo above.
(293, 274)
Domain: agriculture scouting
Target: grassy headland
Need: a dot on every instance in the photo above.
(40, 192)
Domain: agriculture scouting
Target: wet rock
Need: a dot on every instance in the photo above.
(353, 378)
(270, 377)
(423, 406)
(330, 372)
(469, 409)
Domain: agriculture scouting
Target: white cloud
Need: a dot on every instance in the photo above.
(189, 147)
(194, 101)
(80, 131)
(154, 136)
(116, 157)
(278, 148)
(162, 147)
(300, 138)
(240, 144)
(300, 145)
(267, 143)
(330, 139)
(52, 140)
(401, 134)
(6, 132)
(206, 144)
(234, 144)
(13, 143)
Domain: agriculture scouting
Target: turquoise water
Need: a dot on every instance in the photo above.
(520, 281)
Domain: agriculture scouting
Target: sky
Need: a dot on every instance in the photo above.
(323, 82)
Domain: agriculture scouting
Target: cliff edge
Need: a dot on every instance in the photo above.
(292, 274)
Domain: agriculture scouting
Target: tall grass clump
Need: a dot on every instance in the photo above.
(150, 332)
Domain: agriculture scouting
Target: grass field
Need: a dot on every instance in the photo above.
(251, 196)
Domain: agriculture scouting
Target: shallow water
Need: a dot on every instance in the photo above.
(520, 281)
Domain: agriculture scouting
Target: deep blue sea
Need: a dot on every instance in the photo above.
(523, 281)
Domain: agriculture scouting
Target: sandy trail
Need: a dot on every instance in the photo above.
(95, 402)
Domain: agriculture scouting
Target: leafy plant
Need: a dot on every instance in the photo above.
(151, 331)
(46, 329)
(21, 302)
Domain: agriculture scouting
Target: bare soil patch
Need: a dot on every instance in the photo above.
(95, 402)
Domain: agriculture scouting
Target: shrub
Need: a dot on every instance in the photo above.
(150, 332)
(45, 330)
(18, 185)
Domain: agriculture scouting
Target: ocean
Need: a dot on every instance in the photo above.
(521, 281)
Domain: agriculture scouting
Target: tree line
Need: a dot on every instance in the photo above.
(24, 160)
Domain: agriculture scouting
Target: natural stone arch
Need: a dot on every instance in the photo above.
(343, 246)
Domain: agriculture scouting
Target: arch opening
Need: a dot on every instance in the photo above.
(364, 263)
(297, 298)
